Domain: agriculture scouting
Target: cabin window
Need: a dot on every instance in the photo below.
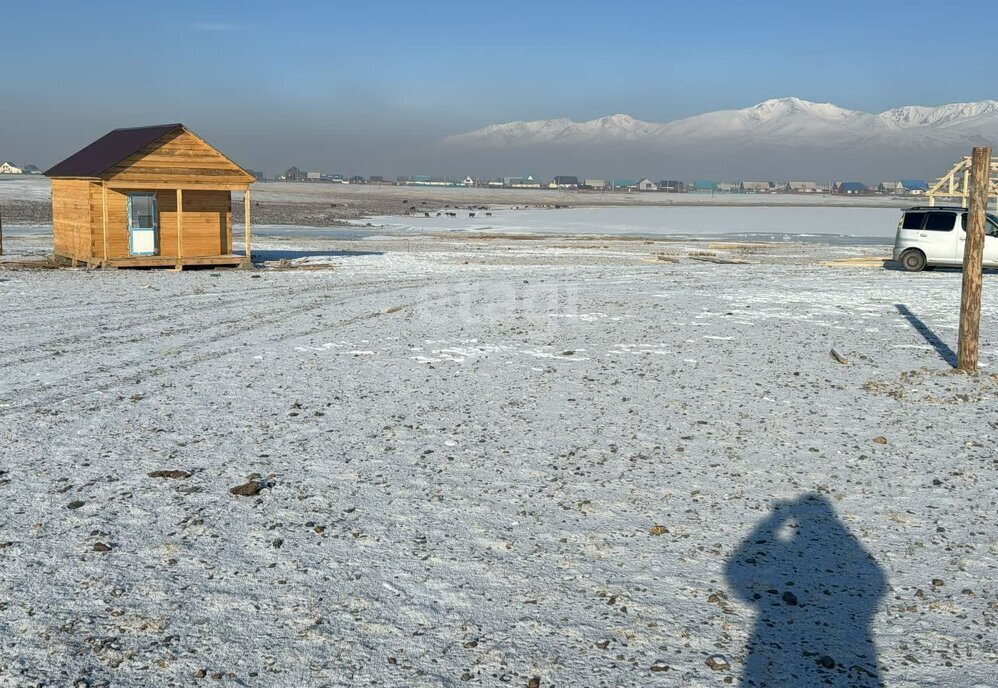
(142, 209)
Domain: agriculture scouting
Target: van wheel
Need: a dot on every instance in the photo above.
(913, 260)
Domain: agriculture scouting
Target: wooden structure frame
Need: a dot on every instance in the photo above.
(192, 184)
(956, 183)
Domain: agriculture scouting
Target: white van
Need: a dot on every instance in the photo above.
(930, 236)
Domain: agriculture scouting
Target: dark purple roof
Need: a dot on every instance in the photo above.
(108, 151)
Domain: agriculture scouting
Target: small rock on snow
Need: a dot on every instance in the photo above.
(175, 475)
(248, 489)
(718, 662)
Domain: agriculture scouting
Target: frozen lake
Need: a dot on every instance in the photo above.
(834, 225)
(816, 224)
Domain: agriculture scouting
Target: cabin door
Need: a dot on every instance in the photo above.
(143, 224)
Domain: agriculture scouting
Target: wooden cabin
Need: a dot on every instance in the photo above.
(148, 197)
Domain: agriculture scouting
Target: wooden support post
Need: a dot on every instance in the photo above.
(107, 255)
(973, 255)
(966, 186)
(180, 229)
(246, 220)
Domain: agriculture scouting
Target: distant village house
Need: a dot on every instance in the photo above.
(915, 187)
(851, 188)
(623, 183)
(802, 187)
(758, 187)
(294, 175)
(527, 182)
(904, 187)
(8, 167)
(564, 183)
(426, 180)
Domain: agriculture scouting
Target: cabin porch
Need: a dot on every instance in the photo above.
(161, 225)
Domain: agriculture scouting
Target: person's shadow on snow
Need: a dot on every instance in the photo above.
(815, 591)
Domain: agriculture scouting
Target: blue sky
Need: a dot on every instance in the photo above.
(306, 81)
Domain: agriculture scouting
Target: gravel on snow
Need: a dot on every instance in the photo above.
(450, 471)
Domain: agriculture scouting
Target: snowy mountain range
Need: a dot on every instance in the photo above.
(780, 122)
(782, 139)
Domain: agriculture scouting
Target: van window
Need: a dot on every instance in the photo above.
(913, 220)
(940, 222)
(990, 224)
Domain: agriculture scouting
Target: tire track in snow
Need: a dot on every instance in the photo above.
(132, 374)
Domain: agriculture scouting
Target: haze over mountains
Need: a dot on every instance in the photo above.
(777, 139)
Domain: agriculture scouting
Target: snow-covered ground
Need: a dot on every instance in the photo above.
(486, 462)
(25, 188)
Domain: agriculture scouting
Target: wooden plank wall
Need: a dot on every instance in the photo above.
(207, 223)
(179, 158)
(71, 213)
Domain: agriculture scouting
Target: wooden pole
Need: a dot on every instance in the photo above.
(246, 220)
(973, 255)
(180, 229)
(104, 222)
(1, 231)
